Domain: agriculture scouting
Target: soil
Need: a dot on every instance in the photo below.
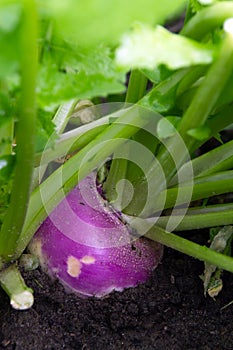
(170, 312)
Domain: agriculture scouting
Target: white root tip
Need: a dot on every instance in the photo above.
(22, 301)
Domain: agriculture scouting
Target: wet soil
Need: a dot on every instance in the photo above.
(169, 312)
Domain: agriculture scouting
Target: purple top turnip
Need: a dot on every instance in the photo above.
(86, 245)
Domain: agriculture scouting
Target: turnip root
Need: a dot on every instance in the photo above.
(85, 244)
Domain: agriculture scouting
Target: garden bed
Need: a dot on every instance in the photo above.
(169, 312)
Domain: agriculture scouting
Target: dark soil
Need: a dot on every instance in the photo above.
(170, 312)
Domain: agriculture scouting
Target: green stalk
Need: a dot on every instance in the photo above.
(117, 172)
(220, 120)
(119, 167)
(136, 87)
(63, 115)
(208, 19)
(200, 218)
(214, 161)
(190, 78)
(193, 249)
(137, 177)
(209, 91)
(215, 124)
(203, 187)
(25, 135)
(73, 140)
(195, 116)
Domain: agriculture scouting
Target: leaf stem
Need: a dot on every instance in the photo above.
(206, 20)
(193, 249)
(63, 115)
(203, 187)
(194, 219)
(25, 135)
(73, 140)
(215, 124)
(217, 160)
(136, 87)
(119, 169)
(195, 116)
(209, 91)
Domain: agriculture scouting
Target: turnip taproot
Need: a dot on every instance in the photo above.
(85, 244)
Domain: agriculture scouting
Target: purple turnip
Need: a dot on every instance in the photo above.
(86, 245)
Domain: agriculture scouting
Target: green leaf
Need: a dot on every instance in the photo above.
(160, 102)
(147, 47)
(74, 72)
(10, 22)
(224, 99)
(95, 21)
(68, 71)
(162, 98)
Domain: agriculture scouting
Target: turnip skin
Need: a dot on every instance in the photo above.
(89, 249)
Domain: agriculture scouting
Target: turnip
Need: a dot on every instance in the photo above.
(90, 246)
(87, 246)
